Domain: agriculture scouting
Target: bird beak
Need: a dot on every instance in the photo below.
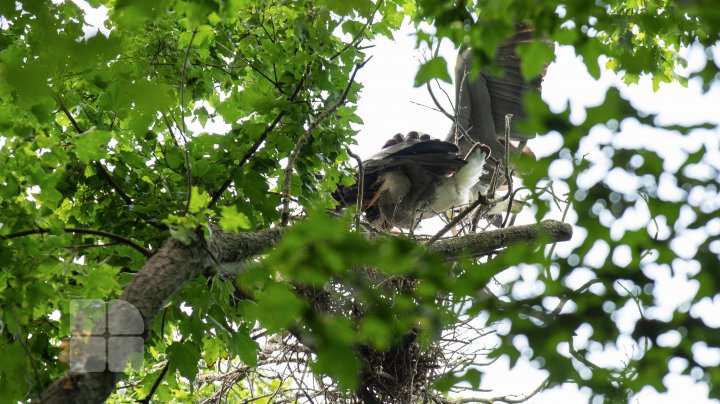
(383, 187)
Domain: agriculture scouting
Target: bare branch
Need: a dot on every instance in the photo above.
(438, 105)
(478, 244)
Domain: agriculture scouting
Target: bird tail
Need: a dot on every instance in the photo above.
(455, 191)
(470, 173)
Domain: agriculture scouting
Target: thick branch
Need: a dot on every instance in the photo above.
(477, 244)
(175, 264)
(163, 275)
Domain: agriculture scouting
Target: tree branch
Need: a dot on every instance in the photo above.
(216, 195)
(175, 264)
(183, 79)
(296, 151)
(115, 237)
(361, 187)
(478, 244)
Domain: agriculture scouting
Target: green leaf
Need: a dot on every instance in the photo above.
(199, 200)
(232, 220)
(245, 347)
(213, 349)
(184, 357)
(13, 364)
(277, 307)
(92, 145)
(534, 57)
(447, 381)
(435, 68)
(340, 362)
(98, 281)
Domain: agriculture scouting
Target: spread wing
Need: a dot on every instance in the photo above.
(483, 102)
(415, 159)
(436, 156)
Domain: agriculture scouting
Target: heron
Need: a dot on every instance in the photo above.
(415, 177)
(483, 102)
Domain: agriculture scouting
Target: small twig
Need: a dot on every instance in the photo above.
(508, 176)
(67, 113)
(360, 32)
(552, 247)
(296, 151)
(249, 64)
(437, 103)
(480, 200)
(500, 399)
(361, 188)
(156, 384)
(102, 171)
(216, 195)
(183, 80)
(89, 245)
(168, 124)
(18, 335)
(111, 236)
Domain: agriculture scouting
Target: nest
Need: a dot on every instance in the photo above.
(399, 374)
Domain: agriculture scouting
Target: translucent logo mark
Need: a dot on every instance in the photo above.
(105, 336)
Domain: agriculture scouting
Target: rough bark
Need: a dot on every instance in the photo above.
(174, 264)
(477, 244)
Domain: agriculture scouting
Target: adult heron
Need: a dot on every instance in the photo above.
(415, 177)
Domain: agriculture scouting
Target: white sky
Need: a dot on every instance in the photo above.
(386, 107)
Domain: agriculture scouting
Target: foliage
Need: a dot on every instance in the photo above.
(106, 132)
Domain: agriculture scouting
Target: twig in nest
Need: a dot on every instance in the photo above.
(481, 200)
